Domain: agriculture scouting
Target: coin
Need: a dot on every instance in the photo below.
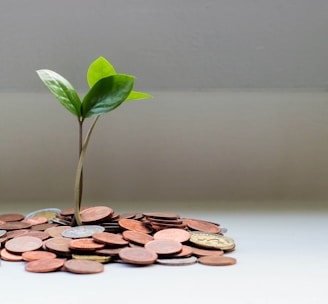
(138, 256)
(186, 251)
(23, 243)
(3, 232)
(83, 266)
(56, 231)
(82, 231)
(85, 244)
(211, 240)
(35, 220)
(203, 226)
(14, 225)
(37, 255)
(11, 217)
(109, 251)
(97, 258)
(137, 237)
(215, 260)
(109, 239)
(49, 213)
(58, 245)
(199, 252)
(95, 214)
(178, 261)
(42, 235)
(161, 215)
(45, 265)
(14, 233)
(162, 247)
(42, 227)
(134, 225)
(10, 257)
(175, 234)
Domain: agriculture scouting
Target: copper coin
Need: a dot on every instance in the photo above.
(71, 211)
(83, 266)
(109, 239)
(94, 214)
(109, 251)
(134, 225)
(138, 256)
(130, 215)
(36, 220)
(215, 260)
(185, 252)
(14, 233)
(199, 252)
(15, 225)
(164, 246)
(11, 217)
(85, 244)
(56, 231)
(42, 235)
(42, 227)
(137, 237)
(45, 265)
(23, 243)
(7, 256)
(37, 255)
(203, 226)
(161, 215)
(175, 234)
(58, 245)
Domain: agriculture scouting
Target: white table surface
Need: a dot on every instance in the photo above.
(282, 257)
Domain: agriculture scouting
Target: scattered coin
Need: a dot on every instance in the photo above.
(175, 234)
(137, 237)
(3, 232)
(215, 260)
(57, 231)
(37, 255)
(203, 226)
(58, 245)
(45, 265)
(14, 225)
(199, 252)
(164, 247)
(23, 243)
(110, 239)
(83, 266)
(134, 225)
(35, 220)
(211, 240)
(49, 213)
(178, 261)
(97, 258)
(85, 244)
(8, 256)
(138, 256)
(11, 217)
(161, 215)
(82, 231)
(95, 214)
(42, 235)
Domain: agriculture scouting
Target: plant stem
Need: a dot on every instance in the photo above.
(79, 173)
(80, 151)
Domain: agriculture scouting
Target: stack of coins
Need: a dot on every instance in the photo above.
(46, 241)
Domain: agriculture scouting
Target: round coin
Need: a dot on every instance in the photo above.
(49, 213)
(95, 214)
(137, 237)
(37, 255)
(45, 265)
(211, 240)
(85, 244)
(82, 231)
(56, 231)
(97, 258)
(161, 215)
(11, 217)
(83, 266)
(178, 261)
(199, 252)
(138, 256)
(36, 220)
(10, 257)
(109, 239)
(3, 232)
(14, 225)
(175, 234)
(202, 226)
(164, 247)
(134, 225)
(23, 243)
(215, 260)
(58, 245)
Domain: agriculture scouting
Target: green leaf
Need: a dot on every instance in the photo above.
(99, 69)
(138, 95)
(107, 94)
(62, 90)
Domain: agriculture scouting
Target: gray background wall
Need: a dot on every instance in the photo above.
(239, 110)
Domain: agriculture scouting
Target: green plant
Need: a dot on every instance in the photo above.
(108, 90)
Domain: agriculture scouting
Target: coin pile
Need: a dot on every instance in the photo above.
(47, 241)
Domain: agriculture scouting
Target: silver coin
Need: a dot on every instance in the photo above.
(48, 213)
(2, 232)
(82, 231)
(178, 261)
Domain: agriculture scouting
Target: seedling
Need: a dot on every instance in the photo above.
(108, 90)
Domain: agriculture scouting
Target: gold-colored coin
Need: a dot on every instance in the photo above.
(211, 240)
(96, 258)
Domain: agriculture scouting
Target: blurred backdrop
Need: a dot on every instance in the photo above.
(238, 118)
